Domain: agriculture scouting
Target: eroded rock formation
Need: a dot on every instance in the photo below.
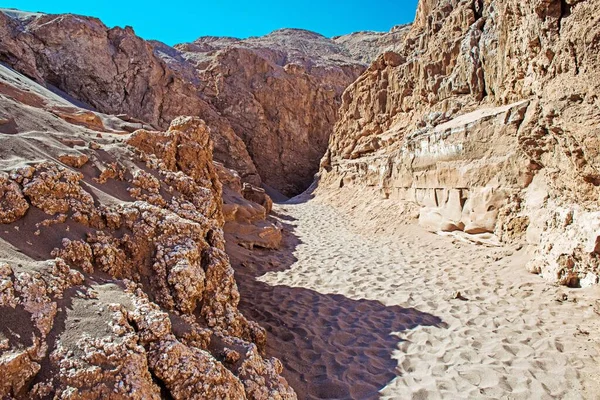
(115, 72)
(271, 102)
(245, 209)
(367, 45)
(114, 281)
(487, 118)
(280, 93)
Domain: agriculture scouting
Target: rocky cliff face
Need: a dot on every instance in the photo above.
(486, 117)
(280, 93)
(271, 102)
(367, 45)
(114, 281)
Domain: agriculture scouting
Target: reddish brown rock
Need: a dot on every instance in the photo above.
(280, 93)
(13, 205)
(75, 161)
(257, 195)
(271, 102)
(246, 208)
(193, 373)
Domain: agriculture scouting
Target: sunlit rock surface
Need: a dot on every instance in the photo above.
(486, 117)
(114, 280)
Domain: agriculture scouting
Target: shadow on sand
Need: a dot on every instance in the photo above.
(332, 347)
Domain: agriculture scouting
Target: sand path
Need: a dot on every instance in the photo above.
(356, 315)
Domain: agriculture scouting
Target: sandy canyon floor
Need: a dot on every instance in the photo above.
(353, 314)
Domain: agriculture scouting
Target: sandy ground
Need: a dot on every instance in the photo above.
(359, 315)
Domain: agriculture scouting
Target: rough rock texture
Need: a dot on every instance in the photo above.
(114, 282)
(487, 117)
(13, 204)
(280, 93)
(367, 45)
(245, 209)
(271, 102)
(113, 71)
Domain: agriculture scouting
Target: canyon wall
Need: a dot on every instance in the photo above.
(280, 93)
(486, 119)
(271, 101)
(114, 281)
(115, 72)
(368, 45)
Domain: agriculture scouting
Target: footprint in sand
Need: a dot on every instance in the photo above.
(349, 299)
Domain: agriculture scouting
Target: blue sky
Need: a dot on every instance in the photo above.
(176, 21)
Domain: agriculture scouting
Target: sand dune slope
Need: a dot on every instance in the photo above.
(357, 315)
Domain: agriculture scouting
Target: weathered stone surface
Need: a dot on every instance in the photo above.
(257, 195)
(75, 161)
(280, 93)
(271, 102)
(136, 282)
(479, 100)
(13, 205)
(366, 46)
(245, 209)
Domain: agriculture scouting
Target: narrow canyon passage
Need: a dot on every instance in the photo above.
(354, 315)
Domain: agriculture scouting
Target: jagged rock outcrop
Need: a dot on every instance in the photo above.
(487, 117)
(113, 71)
(114, 280)
(271, 102)
(366, 46)
(245, 209)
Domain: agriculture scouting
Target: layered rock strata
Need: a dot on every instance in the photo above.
(486, 117)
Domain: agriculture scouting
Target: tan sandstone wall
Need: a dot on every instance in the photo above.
(487, 118)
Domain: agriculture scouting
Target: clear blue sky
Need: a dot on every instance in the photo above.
(176, 21)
